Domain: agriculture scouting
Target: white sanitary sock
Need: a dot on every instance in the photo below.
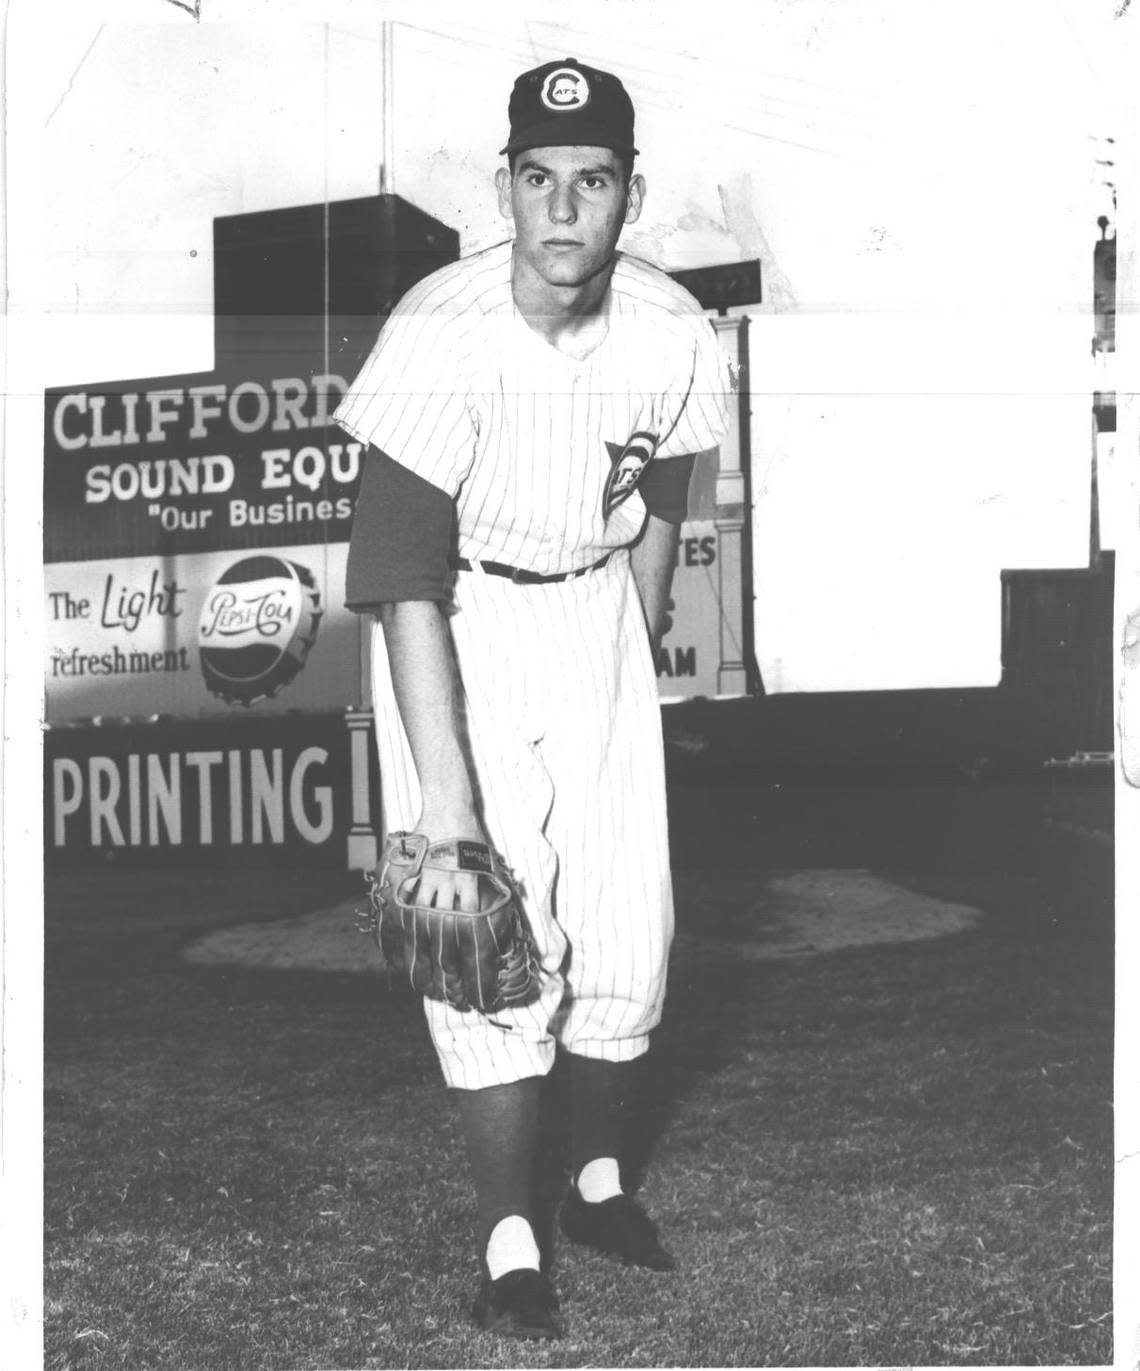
(510, 1246)
(599, 1180)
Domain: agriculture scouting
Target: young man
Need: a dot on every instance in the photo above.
(533, 413)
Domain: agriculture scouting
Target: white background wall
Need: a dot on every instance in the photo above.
(919, 180)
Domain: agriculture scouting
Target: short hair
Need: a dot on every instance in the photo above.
(624, 165)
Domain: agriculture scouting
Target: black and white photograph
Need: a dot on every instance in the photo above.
(572, 685)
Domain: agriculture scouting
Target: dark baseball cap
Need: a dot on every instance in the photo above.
(567, 104)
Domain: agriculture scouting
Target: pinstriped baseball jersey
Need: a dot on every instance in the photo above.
(541, 451)
(542, 454)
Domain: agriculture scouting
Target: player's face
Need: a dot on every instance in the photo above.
(569, 206)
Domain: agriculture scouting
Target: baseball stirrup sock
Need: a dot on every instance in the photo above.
(500, 1127)
(601, 1094)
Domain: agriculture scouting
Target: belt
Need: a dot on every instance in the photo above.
(521, 577)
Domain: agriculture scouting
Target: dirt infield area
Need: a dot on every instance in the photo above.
(783, 914)
(875, 1126)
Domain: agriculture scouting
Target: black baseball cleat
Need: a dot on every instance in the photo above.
(520, 1304)
(617, 1226)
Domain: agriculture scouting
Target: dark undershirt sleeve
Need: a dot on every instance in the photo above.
(403, 535)
(664, 487)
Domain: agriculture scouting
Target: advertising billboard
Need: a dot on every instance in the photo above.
(194, 542)
(245, 791)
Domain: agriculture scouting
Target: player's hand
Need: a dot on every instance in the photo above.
(663, 625)
(448, 889)
(666, 619)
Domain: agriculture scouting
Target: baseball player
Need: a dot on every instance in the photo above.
(533, 414)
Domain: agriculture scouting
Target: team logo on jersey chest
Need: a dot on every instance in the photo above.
(565, 89)
(628, 464)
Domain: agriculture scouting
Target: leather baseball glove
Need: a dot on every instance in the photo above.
(485, 959)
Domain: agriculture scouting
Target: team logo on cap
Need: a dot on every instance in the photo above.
(565, 89)
(256, 628)
(629, 462)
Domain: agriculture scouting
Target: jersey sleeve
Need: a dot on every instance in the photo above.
(698, 404)
(664, 486)
(403, 534)
(410, 398)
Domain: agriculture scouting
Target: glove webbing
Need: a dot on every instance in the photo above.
(517, 968)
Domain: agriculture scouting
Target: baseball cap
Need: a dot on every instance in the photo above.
(565, 104)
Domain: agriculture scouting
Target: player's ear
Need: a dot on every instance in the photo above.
(503, 187)
(634, 198)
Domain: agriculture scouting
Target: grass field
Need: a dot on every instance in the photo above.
(889, 1155)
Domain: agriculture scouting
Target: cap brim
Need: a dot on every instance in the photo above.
(564, 133)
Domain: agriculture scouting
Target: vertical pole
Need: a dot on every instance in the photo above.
(754, 684)
(733, 526)
(362, 847)
(387, 115)
(362, 841)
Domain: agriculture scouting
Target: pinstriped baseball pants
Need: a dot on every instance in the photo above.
(565, 734)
